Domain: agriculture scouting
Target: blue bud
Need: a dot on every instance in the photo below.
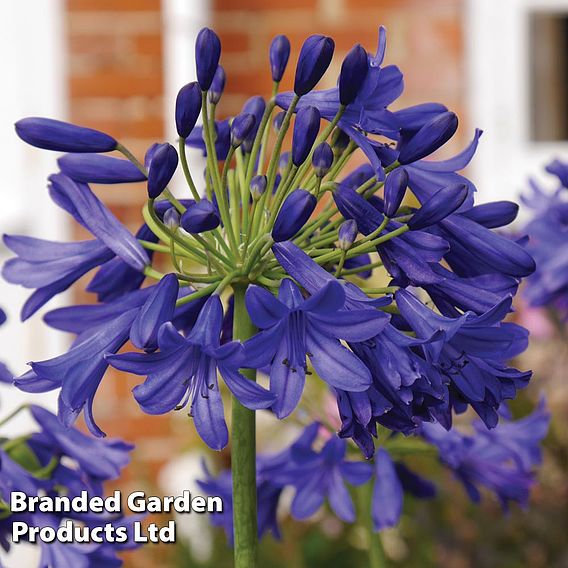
(255, 106)
(279, 54)
(171, 219)
(434, 134)
(150, 154)
(295, 211)
(201, 216)
(207, 54)
(94, 168)
(395, 188)
(217, 86)
(339, 141)
(258, 186)
(157, 310)
(61, 136)
(315, 57)
(441, 204)
(306, 128)
(347, 234)
(283, 162)
(493, 215)
(162, 168)
(322, 159)
(278, 120)
(353, 72)
(188, 107)
(241, 127)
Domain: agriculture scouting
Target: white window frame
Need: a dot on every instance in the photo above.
(498, 91)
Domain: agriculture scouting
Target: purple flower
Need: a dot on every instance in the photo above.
(188, 108)
(61, 136)
(439, 206)
(306, 128)
(94, 168)
(279, 54)
(255, 106)
(50, 267)
(217, 86)
(315, 57)
(353, 72)
(295, 211)
(395, 188)
(162, 169)
(241, 127)
(184, 371)
(258, 186)
(387, 493)
(347, 234)
(200, 217)
(322, 159)
(293, 327)
(222, 139)
(207, 54)
(429, 138)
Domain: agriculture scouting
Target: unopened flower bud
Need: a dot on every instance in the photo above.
(347, 234)
(150, 154)
(200, 217)
(258, 186)
(322, 159)
(441, 204)
(217, 86)
(207, 54)
(256, 107)
(97, 168)
(306, 128)
(171, 219)
(315, 57)
(434, 134)
(241, 127)
(51, 134)
(279, 54)
(353, 72)
(339, 141)
(283, 162)
(188, 107)
(278, 120)
(295, 211)
(162, 168)
(395, 188)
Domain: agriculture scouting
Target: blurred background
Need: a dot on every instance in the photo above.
(116, 65)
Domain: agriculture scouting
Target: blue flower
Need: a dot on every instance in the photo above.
(322, 159)
(61, 136)
(315, 57)
(200, 217)
(207, 54)
(502, 460)
(387, 493)
(439, 206)
(395, 188)
(217, 86)
(306, 128)
(293, 327)
(353, 72)
(184, 371)
(188, 108)
(241, 127)
(295, 211)
(472, 352)
(255, 106)
(222, 139)
(162, 168)
(279, 54)
(94, 168)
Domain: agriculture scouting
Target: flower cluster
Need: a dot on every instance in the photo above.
(61, 461)
(300, 244)
(548, 242)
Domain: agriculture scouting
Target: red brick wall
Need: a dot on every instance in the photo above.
(116, 85)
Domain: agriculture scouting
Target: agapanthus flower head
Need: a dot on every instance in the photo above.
(163, 166)
(207, 54)
(279, 54)
(188, 109)
(353, 73)
(51, 134)
(217, 85)
(315, 57)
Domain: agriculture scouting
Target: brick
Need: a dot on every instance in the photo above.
(113, 5)
(115, 84)
(244, 5)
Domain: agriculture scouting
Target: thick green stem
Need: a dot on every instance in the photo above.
(243, 454)
(375, 550)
